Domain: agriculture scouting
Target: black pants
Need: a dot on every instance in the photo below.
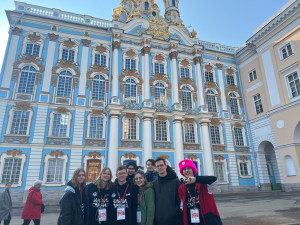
(7, 221)
(27, 222)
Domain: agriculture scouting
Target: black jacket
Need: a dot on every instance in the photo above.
(94, 200)
(70, 210)
(167, 203)
(151, 176)
(130, 203)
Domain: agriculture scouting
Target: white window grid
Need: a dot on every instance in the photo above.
(185, 72)
(258, 104)
(27, 80)
(230, 80)
(294, 84)
(286, 51)
(11, 170)
(187, 101)
(160, 94)
(159, 68)
(130, 91)
(32, 49)
(60, 125)
(130, 64)
(215, 135)
(100, 60)
(234, 104)
(55, 170)
(238, 136)
(209, 76)
(244, 169)
(99, 88)
(20, 122)
(189, 133)
(211, 101)
(252, 75)
(68, 55)
(96, 127)
(161, 130)
(64, 86)
(220, 168)
(130, 129)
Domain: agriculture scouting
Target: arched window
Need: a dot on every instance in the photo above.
(289, 166)
(187, 101)
(64, 86)
(98, 88)
(160, 94)
(130, 90)
(173, 3)
(234, 104)
(211, 101)
(230, 80)
(147, 6)
(27, 80)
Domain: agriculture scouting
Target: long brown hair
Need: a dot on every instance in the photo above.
(98, 180)
(75, 176)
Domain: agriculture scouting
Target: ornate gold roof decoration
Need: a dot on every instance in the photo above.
(34, 37)
(69, 43)
(159, 28)
(193, 33)
(131, 53)
(94, 154)
(57, 153)
(14, 152)
(130, 155)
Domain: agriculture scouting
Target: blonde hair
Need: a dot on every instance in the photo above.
(98, 180)
(75, 176)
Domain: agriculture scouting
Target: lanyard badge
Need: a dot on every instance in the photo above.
(121, 209)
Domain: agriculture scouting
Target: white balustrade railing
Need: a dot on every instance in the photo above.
(217, 47)
(56, 13)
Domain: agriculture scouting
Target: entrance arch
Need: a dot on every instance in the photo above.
(297, 134)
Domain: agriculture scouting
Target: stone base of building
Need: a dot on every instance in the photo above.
(291, 187)
(236, 189)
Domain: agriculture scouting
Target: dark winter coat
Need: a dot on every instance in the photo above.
(5, 204)
(32, 208)
(151, 176)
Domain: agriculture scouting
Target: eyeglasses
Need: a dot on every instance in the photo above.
(121, 174)
(158, 166)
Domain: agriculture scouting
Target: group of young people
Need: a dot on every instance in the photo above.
(156, 197)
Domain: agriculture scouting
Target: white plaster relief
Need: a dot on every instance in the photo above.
(280, 124)
(255, 86)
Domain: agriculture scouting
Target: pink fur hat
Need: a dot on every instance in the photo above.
(187, 163)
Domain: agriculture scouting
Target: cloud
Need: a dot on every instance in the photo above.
(3, 43)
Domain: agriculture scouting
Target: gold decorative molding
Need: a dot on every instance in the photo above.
(69, 43)
(163, 156)
(219, 66)
(185, 63)
(208, 67)
(17, 31)
(160, 58)
(215, 122)
(130, 155)
(54, 28)
(146, 50)
(13, 139)
(130, 53)
(94, 154)
(14, 152)
(53, 37)
(220, 148)
(131, 143)
(116, 45)
(34, 38)
(95, 142)
(86, 34)
(189, 120)
(197, 60)
(219, 158)
(173, 55)
(97, 112)
(159, 28)
(61, 110)
(56, 153)
(23, 106)
(100, 49)
(160, 117)
(191, 146)
(230, 71)
(192, 157)
(86, 42)
(237, 124)
(243, 158)
(131, 115)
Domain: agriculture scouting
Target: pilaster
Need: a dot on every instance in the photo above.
(147, 133)
(222, 87)
(40, 124)
(78, 127)
(115, 73)
(34, 166)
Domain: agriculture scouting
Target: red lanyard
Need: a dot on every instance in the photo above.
(102, 199)
(139, 199)
(123, 195)
(191, 195)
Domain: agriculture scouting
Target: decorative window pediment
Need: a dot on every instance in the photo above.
(68, 50)
(33, 44)
(245, 167)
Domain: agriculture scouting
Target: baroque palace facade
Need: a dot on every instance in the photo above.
(78, 91)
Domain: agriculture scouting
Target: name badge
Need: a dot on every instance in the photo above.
(139, 216)
(195, 216)
(102, 216)
(121, 213)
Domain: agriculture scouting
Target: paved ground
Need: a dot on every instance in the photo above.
(274, 208)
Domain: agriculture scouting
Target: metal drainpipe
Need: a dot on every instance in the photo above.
(8, 44)
(248, 128)
(108, 99)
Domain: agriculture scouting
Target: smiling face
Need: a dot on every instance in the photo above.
(150, 167)
(81, 177)
(188, 172)
(106, 175)
(139, 180)
(121, 176)
(130, 170)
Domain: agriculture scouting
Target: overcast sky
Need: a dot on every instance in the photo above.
(228, 22)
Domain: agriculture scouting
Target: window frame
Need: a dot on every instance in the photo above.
(213, 76)
(52, 120)
(284, 46)
(243, 135)
(225, 170)
(10, 120)
(286, 77)
(191, 95)
(220, 128)
(261, 109)
(167, 130)
(216, 101)
(137, 125)
(166, 96)
(249, 168)
(136, 90)
(27, 40)
(250, 74)
(237, 104)
(89, 126)
(75, 48)
(195, 133)
(161, 68)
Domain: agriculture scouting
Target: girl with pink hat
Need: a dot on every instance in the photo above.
(198, 203)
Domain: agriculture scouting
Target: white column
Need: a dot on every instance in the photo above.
(222, 86)
(34, 166)
(11, 58)
(143, 77)
(78, 127)
(207, 155)
(147, 139)
(113, 143)
(3, 105)
(178, 144)
(115, 70)
(199, 81)
(40, 124)
(175, 95)
(83, 66)
(49, 62)
(233, 170)
(147, 79)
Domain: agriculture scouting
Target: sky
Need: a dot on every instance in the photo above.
(228, 22)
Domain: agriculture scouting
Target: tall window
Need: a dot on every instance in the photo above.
(55, 170)
(20, 122)
(130, 90)
(209, 76)
(27, 80)
(32, 49)
(147, 6)
(98, 88)
(211, 101)
(258, 104)
(173, 3)
(96, 127)
(68, 55)
(215, 135)
(244, 169)
(60, 125)
(230, 80)
(220, 171)
(252, 75)
(11, 170)
(161, 130)
(130, 64)
(160, 94)
(286, 51)
(64, 86)
(189, 133)
(234, 104)
(159, 68)
(238, 136)
(187, 101)
(185, 72)
(100, 60)
(294, 84)
(130, 131)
